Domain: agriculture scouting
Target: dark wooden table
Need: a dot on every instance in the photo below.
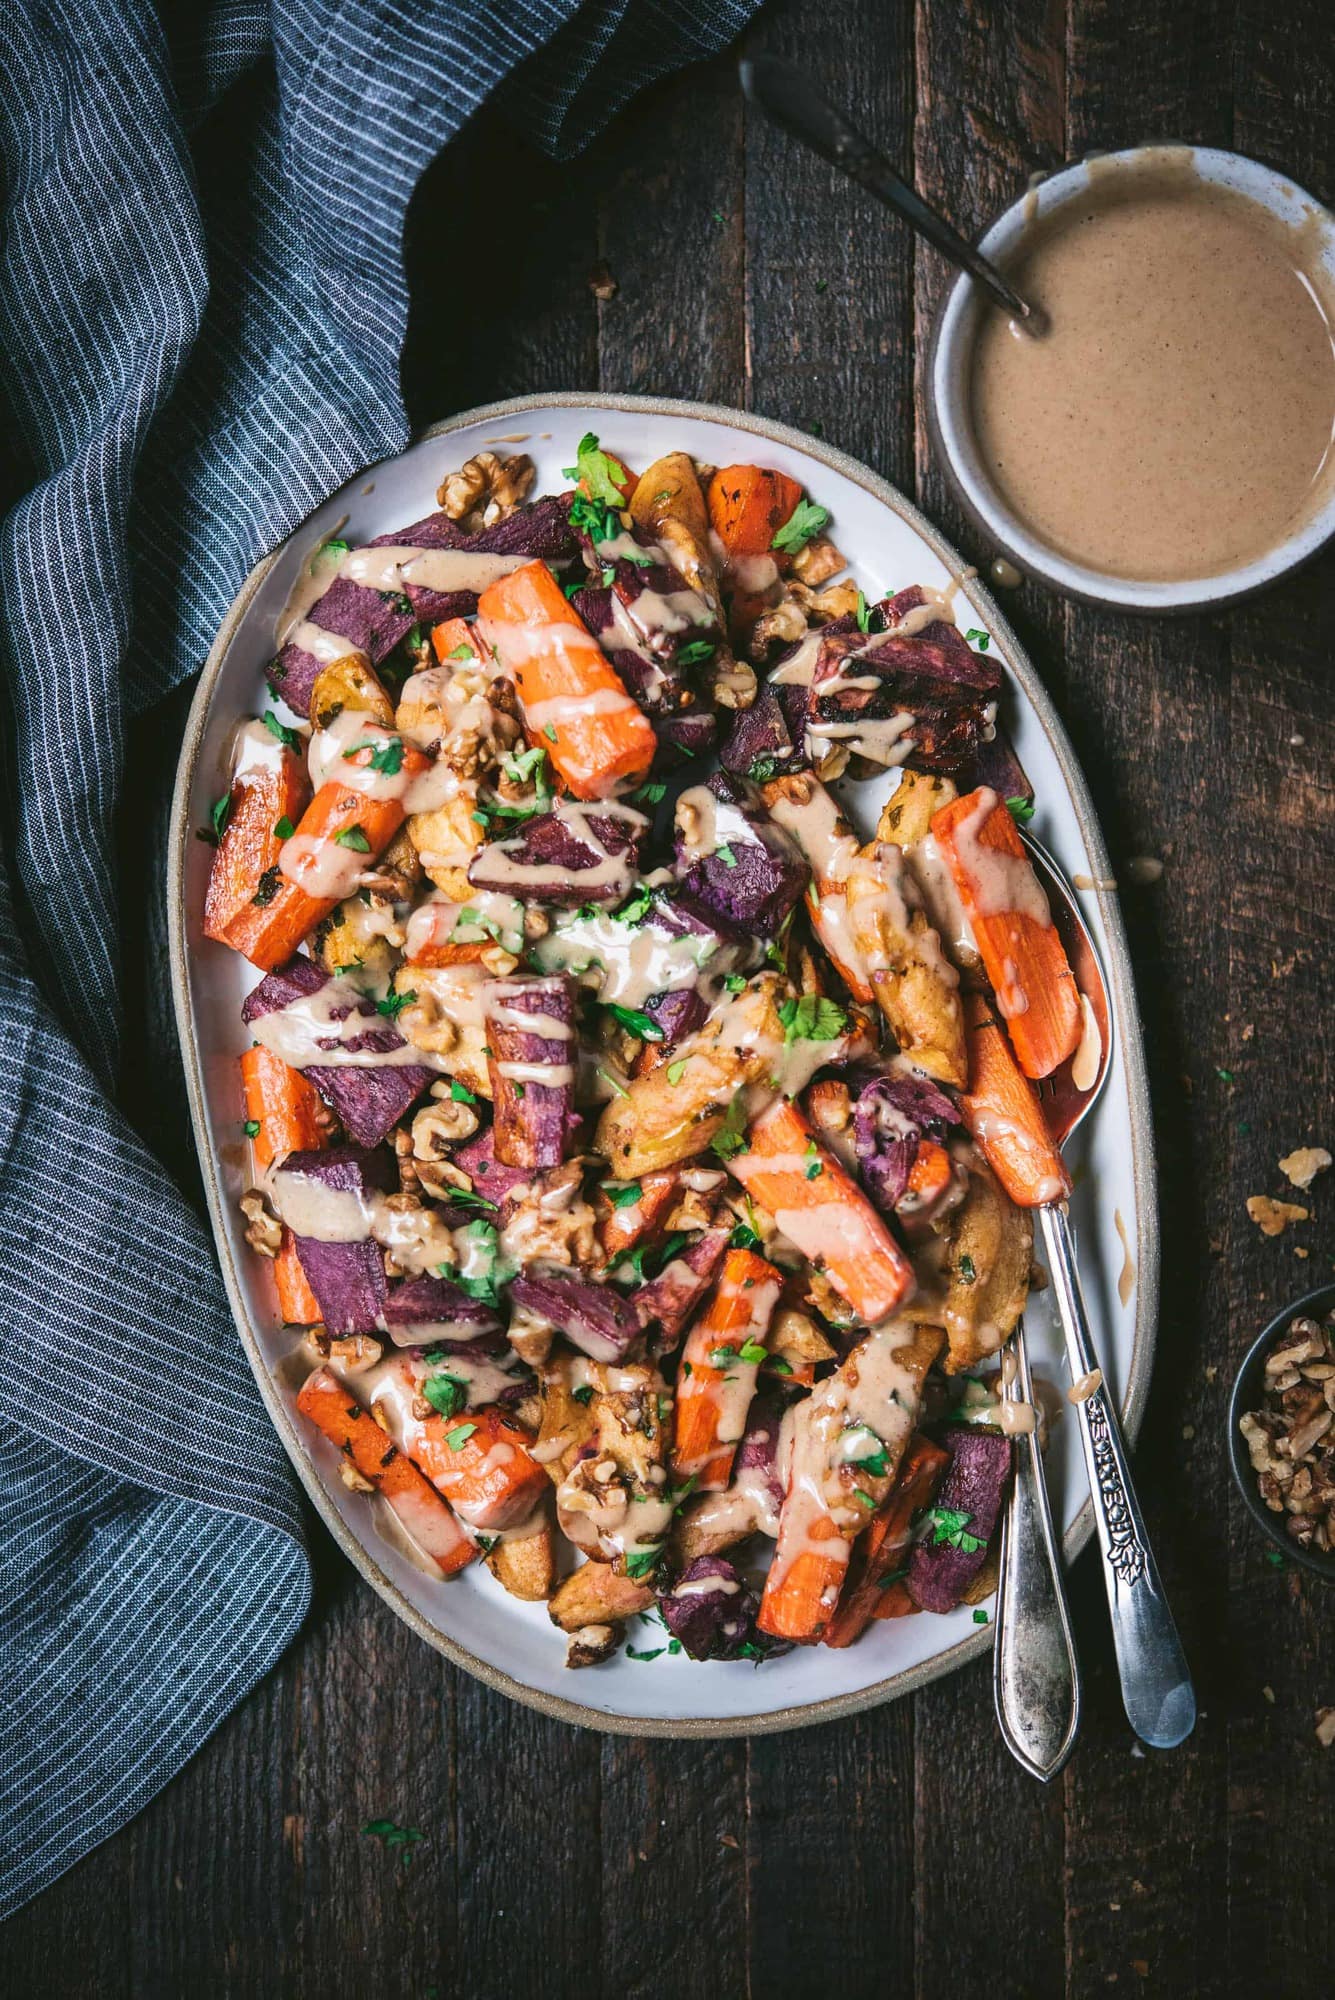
(900, 1852)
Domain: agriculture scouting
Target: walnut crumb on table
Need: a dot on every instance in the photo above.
(1272, 1218)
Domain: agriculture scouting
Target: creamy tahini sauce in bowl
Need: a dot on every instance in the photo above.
(1167, 441)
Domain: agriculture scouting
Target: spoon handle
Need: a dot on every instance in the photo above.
(1156, 1683)
(1035, 1671)
(790, 97)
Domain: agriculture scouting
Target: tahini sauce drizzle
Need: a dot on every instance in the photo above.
(1177, 417)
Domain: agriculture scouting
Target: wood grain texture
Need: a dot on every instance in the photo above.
(899, 1852)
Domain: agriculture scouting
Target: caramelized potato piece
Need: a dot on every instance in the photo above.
(446, 841)
(350, 683)
(915, 987)
(990, 1249)
(906, 817)
(526, 1567)
(597, 1594)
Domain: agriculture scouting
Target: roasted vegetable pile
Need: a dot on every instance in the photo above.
(645, 1157)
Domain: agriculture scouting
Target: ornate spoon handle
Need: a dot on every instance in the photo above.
(1156, 1683)
(1035, 1672)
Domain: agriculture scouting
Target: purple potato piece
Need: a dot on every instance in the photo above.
(532, 1119)
(890, 1115)
(690, 733)
(578, 842)
(371, 621)
(490, 1176)
(296, 980)
(678, 1013)
(758, 1453)
(369, 1098)
(972, 1490)
(753, 876)
(666, 1305)
(648, 680)
(417, 1310)
(932, 677)
(942, 643)
(996, 765)
(347, 1278)
(762, 741)
(593, 1318)
(710, 1610)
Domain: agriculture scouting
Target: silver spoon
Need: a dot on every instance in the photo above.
(1035, 1670)
(1157, 1690)
(787, 94)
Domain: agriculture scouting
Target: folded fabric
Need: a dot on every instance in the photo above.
(192, 359)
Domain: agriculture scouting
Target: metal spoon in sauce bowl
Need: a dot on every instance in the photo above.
(787, 94)
(1157, 1691)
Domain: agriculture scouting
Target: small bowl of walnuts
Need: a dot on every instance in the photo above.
(1281, 1431)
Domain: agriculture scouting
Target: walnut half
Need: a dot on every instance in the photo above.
(486, 489)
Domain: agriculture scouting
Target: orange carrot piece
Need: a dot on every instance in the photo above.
(481, 1462)
(895, 1602)
(883, 1546)
(261, 800)
(801, 1591)
(720, 1362)
(642, 1220)
(269, 932)
(573, 702)
(1021, 949)
(820, 1209)
(1003, 1113)
(291, 1115)
(325, 1402)
(930, 1175)
(747, 507)
(449, 636)
(297, 1303)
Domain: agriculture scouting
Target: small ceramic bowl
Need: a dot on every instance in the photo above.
(1249, 1394)
(949, 401)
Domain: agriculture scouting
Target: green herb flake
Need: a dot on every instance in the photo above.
(735, 983)
(219, 814)
(812, 1019)
(393, 1004)
(730, 1139)
(584, 1395)
(642, 1562)
(459, 1436)
(601, 475)
(676, 1071)
(752, 1352)
(461, 652)
(281, 730)
(353, 837)
(622, 1194)
(949, 1525)
(726, 856)
(779, 1365)
(1020, 810)
(654, 1653)
(461, 1094)
(251, 1128)
(283, 828)
(743, 1238)
(806, 520)
(968, 1270)
(549, 731)
(385, 757)
(814, 1164)
(651, 794)
(980, 1616)
(446, 1394)
(863, 614)
(696, 653)
(634, 1020)
(983, 641)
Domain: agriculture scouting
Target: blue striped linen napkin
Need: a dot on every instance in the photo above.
(191, 361)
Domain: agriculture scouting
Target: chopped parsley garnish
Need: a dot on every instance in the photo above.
(335, 546)
(283, 828)
(393, 1004)
(404, 1838)
(863, 614)
(730, 1139)
(1020, 810)
(461, 1094)
(642, 1562)
(743, 1238)
(281, 730)
(219, 814)
(459, 1436)
(595, 518)
(815, 1166)
(461, 1197)
(651, 794)
(446, 1394)
(634, 1020)
(584, 1395)
(949, 1526)
(726, 855)
(635, 1263)
(601, 475)
(983, 641)
(403, 604)
(676, 1070)
(461, 652)
(696, 653)
(735, 983)
(980, 1616)
(655, 1652)
(812, 1019)
(779, 1365)
(807, 519)
(751, 1351)
(622, 1194)
(549, 731)
(527, 764)
(637, 907)
(353, 837)
(251, 1128)
(385, 757)
(268, 888)
(968, 1270)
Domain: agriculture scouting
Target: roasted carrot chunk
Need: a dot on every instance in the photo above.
(721, 1359)
(270, 795)
(287, 1112)
(929, 1176)
(453, 639)
(573, 702)
(800, 1594)
(327, 1404)
(1022, 953)
(820, 1209)
(482, 1464)
(748, 505)
(637, 1211)
(880, 1555)
(297, 1303)
(1003, 1113)
(341, 829)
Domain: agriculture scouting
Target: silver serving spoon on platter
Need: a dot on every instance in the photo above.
(787, 94)
(1156, 1683)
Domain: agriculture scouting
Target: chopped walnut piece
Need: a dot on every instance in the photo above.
(486, 489)
(356, 1482)
(550, 1220)
(818, 561)
(601, 282)
(264, 1232)
(1302, 1167)
(1325, 1727)
(1272, 1218)
(440, 1125)
(1289, 1439)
